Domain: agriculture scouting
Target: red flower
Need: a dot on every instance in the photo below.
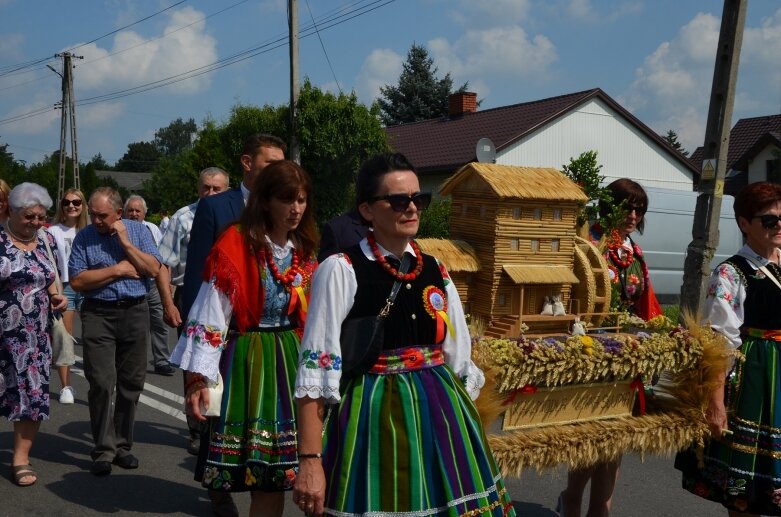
(213, 338)
(325, 360)
(414, 359)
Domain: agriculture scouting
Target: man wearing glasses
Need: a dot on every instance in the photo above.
(112, 262)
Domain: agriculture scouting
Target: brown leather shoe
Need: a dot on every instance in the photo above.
(222, 504)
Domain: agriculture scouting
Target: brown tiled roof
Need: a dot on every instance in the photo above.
(743, 138)
(445, 144)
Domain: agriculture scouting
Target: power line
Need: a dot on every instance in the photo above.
(342, 16)
(328, 60)
(28, 64)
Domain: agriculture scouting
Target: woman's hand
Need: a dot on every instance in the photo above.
(58, 302)
(716, 414)
(197, 396)
(309, 489)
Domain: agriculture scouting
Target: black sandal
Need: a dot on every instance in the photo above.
(19, 472)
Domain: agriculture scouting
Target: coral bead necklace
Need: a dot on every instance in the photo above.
(614, 243)
(392, 271)
(292, 276)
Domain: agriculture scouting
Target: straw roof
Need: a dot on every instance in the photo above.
(455, 255)
(541, 274)
(510, 181)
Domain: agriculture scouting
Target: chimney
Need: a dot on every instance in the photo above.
(462, 102)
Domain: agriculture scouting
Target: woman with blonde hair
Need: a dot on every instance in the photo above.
(4, 209)
(70, 218)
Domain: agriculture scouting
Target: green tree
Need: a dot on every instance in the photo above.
(585, 172)
(419, 95)
(435, 220)
(176, 137)
(672, 139)
(99, 164)
(336, 134)
(139, 157)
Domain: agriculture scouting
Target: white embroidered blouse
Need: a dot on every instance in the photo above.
(333, 289)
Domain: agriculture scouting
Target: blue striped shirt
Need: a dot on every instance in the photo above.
(94, 250)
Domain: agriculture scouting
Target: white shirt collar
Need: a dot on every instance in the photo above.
(244, 193)
(746, 251)
(280, 252)
(385, 253)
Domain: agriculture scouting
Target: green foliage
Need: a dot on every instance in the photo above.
(246, 120)
(139, 157)
(435, 220)
(336, 134)
(585, 172)
(419, 95)
(176, 137)
(672, 139)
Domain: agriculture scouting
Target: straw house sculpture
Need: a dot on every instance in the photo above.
(460, 260)
(520, 222)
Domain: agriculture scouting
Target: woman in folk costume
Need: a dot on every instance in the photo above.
(631, 292)
(245, 325)
(403, 436)
(741, 465)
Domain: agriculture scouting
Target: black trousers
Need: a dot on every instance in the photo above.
(115, 340)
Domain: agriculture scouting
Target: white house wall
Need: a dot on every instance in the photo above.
(623, 150)
(757, 169)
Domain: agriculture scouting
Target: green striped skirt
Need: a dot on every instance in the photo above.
(252, 446)
(743, 471)
(410, 443)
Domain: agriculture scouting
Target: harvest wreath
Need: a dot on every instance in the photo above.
(672, 418)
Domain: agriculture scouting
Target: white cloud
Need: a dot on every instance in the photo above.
(585, 11)
(137, 60)
(672, 88)
(381, 67)
(32, 125)
(97, 115)
(501, 52)
(11, 46)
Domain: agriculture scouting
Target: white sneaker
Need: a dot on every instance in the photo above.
(66, 395)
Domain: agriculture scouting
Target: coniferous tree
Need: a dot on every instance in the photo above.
(419, 95)
(672, 139)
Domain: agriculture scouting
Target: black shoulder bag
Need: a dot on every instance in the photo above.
(361, 339)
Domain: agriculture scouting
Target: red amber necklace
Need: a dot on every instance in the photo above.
(392, 271)
(293, 273)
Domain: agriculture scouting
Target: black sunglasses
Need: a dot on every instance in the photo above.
(74, 202)
(400, 202)
(768, 221)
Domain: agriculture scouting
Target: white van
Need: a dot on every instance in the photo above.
(668, 232)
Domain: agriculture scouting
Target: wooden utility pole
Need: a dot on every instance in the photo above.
(68, 107)
(295, 86)
(705, 231)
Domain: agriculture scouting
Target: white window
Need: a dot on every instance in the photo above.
(517, 213)
(557, 214)
(514, 244)
(554, 245)
(501, 300)
(537, 214)
(535, 244)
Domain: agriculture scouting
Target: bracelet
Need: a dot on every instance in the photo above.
(317, 455)
(195, 379)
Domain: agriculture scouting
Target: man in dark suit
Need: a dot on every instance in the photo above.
(215, 213)
(340, 233)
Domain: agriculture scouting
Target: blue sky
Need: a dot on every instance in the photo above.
(655, 57)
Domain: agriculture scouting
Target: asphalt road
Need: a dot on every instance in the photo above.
(163, 484)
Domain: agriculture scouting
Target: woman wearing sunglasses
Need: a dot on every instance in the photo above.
(403, 436)
(71, 217)
(741, 466)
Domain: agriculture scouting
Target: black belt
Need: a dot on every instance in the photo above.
(116, 304)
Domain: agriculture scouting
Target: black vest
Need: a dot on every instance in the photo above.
(408, 323)
(763, 297)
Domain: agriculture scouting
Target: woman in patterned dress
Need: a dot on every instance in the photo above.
(27, 294)
(631, 292)
(741, 464)
(246, 324)
(403, 438)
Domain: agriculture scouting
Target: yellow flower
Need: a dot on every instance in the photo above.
(587, 341)
(249, 479)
